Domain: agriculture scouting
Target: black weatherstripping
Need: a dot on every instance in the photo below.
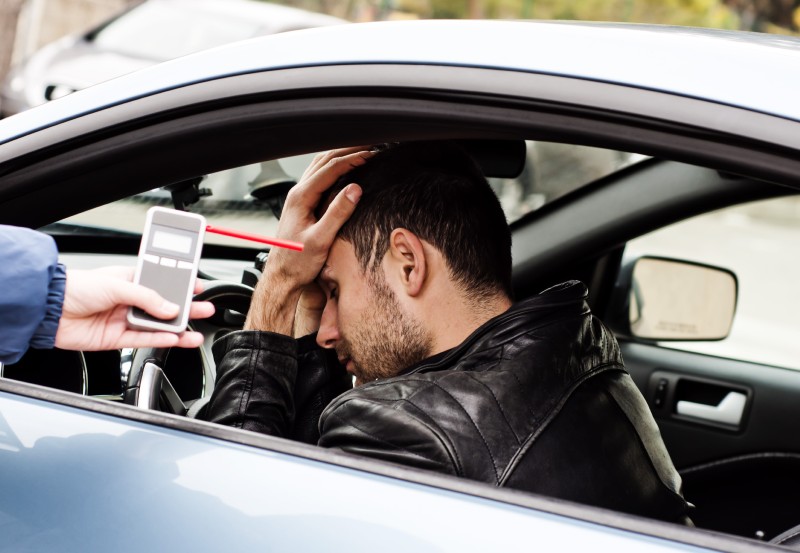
(215, 125)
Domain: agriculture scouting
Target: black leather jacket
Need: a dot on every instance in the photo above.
(535, 399)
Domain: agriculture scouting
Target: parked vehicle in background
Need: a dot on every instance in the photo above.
(151, 32)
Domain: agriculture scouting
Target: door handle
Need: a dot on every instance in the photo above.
(729, 410)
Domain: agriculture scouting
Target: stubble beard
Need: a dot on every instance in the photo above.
(386, 339)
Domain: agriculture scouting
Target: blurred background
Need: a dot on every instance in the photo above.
(28, 25)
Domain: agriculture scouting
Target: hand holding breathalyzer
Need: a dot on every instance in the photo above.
(169, 255)
(94, 311)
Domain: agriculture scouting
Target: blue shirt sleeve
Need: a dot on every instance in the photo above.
(31, 291)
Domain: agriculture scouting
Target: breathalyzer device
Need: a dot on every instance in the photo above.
(168, 259)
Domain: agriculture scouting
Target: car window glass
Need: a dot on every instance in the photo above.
(158, 31)
(759, 242)
(553, 170)
(228, 204)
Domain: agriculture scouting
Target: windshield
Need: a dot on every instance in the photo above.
(551, 170)
(161, 31)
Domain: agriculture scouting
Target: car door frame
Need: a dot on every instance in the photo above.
(212, 125)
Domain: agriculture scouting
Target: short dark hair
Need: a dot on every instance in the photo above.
(438, 192)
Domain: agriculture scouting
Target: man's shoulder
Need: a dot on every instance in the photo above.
(428, 392)
(398, 388)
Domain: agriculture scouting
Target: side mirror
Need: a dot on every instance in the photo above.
(663, 299)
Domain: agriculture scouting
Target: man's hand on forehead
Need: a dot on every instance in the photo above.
(325, 169)
(287, 272)
(299, 219)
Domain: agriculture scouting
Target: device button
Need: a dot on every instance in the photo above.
(167, 262)
(184, 265)
(150, 257)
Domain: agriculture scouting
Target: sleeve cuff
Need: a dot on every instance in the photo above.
(45, 335)
(254, 340)
(307, 343)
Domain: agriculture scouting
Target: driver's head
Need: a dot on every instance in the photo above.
(428, 224)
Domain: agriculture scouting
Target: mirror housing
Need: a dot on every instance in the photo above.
(661, 299)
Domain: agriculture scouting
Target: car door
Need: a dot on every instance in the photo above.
(160, 139)
(728, 409)
(741, 475)
(82, 475)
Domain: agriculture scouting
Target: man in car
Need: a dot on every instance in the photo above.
(451, 376)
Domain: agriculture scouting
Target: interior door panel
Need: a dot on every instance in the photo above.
(741, 473)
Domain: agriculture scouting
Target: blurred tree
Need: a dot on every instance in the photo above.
(755, 15)
(9, 16)
(760, 15)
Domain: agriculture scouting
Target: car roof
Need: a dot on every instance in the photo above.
(747, 70)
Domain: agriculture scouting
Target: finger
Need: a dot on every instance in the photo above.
(309, 191)
(331, 166)
(201, 310)
(127, 273)
(190, 339)
(117, 271)
(319, 160)
(127, 293)
(145, 339)
(324, 157)
(338, 212)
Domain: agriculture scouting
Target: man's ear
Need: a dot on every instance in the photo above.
(407, 259)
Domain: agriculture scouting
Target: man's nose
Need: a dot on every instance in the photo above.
(328, 333)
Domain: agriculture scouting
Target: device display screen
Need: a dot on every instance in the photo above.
(172, 242)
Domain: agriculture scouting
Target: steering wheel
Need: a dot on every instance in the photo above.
(149, 388)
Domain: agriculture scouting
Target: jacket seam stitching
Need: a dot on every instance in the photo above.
(442, 436)
(527, 405)
(550, 416)
(248, 387)
(488, 449)
(499, 406)
(380, 440)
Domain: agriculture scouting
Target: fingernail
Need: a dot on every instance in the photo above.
(353, 193)
(169, 307)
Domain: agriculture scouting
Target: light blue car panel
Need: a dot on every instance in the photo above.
(747, 70)
(73, 480)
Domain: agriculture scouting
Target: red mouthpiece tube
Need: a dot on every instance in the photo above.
(277, 242)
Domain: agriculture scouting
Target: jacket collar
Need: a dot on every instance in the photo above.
(565, 300)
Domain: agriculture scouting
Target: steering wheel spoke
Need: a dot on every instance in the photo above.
(157, 393)
(147, 385)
